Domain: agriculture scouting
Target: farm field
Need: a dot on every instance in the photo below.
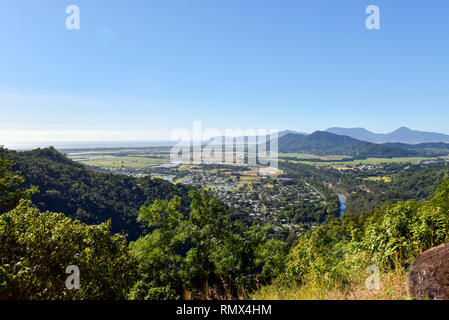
(124, 162)
(377, 179)
(313, 156)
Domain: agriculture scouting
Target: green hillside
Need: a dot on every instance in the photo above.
(325, 143)
(87, 195)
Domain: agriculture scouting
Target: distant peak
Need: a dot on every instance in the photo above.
(402, 135)
(319, 132)
(338, 129)
(285, 132)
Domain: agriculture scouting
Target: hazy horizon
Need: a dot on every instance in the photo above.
(163, 140)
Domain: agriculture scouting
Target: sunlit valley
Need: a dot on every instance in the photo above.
(174, 152)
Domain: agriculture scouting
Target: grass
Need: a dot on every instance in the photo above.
(312, 156)
(127, 162)
(393, 286)
(384, 179)
(249, 178)
(391, 160)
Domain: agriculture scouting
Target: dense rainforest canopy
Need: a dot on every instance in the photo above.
(185, 244)
(87, 195)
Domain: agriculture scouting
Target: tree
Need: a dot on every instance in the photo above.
(10, 186)
(157, 252)
(200, 255)
(90, 196)
(36, 248)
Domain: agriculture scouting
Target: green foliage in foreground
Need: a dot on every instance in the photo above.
(36, 248)
(10, 191)
(340, 250)
(200, 254)
(204, 255)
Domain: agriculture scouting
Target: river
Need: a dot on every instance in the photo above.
(342, 200)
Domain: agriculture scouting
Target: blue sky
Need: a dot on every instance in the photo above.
(138, 69)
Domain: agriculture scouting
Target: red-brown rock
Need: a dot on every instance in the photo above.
(429, 274)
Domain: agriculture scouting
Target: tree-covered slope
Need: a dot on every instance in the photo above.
(336, 259)
(325, 143)
(425, 149)
(87, 195)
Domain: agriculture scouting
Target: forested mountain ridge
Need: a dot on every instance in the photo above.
(331, 261)
(179, 255)
(87, 195)
(326, 143)
(430, 148)
(201, 254)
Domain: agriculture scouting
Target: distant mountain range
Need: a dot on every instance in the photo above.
(401, 135)
(248, 139)
(358, 143)
(285, 132)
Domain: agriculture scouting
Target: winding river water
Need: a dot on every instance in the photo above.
(342, 200)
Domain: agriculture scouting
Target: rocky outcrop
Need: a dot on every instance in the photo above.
(429, 274)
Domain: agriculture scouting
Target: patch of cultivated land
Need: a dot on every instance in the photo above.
(126, 162)
(384, 179)
(313, 157)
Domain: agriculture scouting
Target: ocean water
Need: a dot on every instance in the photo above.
(85, 144)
